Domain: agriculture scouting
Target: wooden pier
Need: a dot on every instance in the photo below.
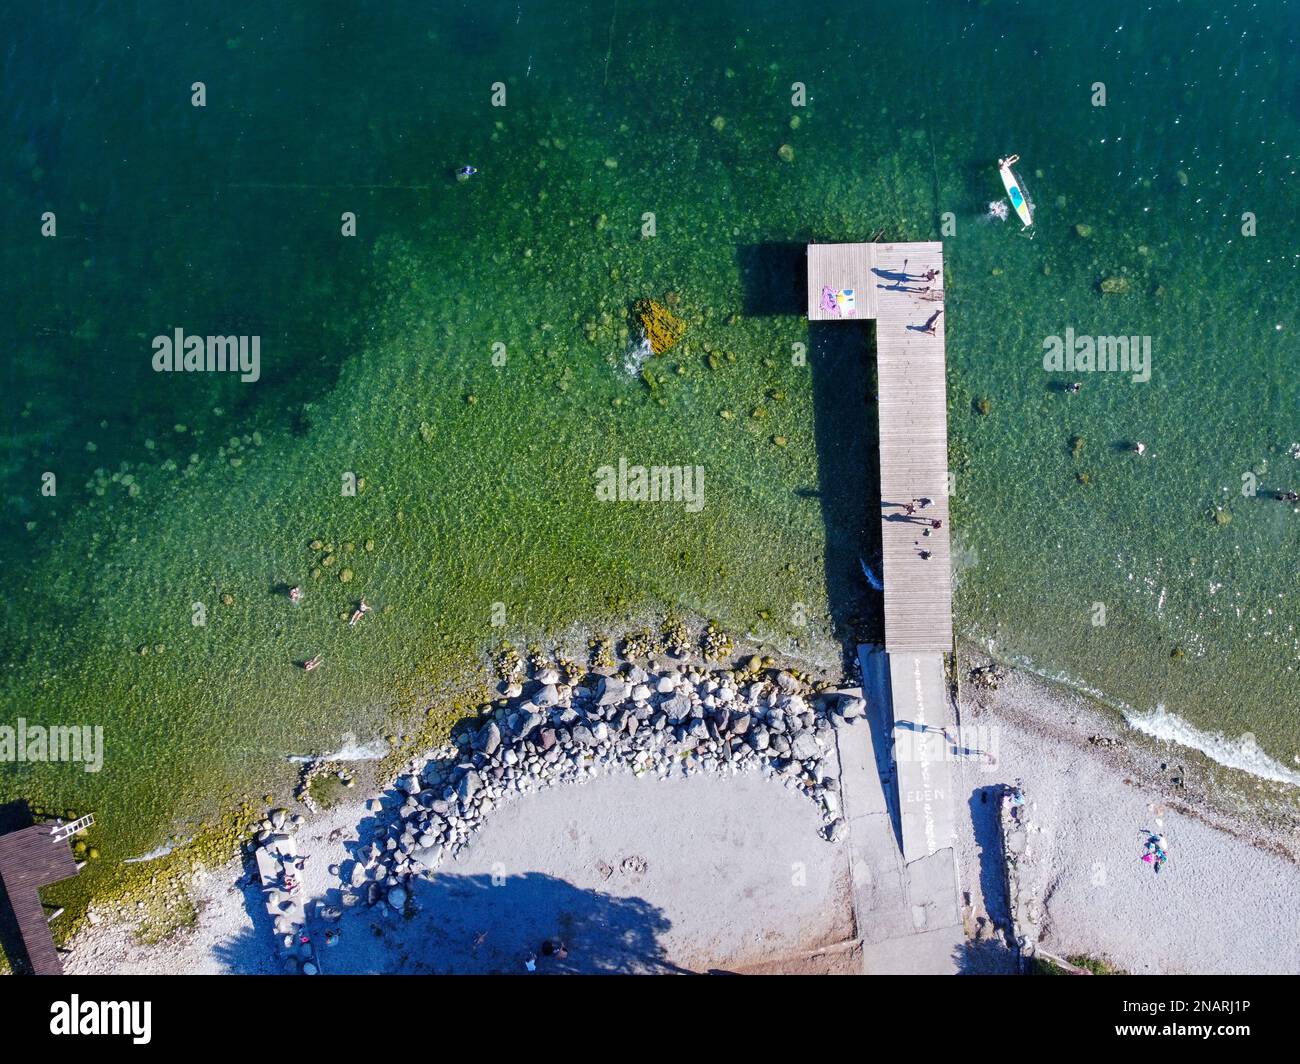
(892, 284)
(31, 858)
(901, 286)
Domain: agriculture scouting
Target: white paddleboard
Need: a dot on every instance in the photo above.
(1014, 192)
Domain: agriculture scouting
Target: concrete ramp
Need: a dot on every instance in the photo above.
(922, 752)
(906, 904)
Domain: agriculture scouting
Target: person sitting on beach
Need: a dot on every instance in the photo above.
(555, 948)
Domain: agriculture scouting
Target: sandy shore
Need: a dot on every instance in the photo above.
(689, 874)
(647, 875)
(1225, 902)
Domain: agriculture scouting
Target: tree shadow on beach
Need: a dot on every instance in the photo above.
(253, 950)
(489, 924)
(987, 956)
(480, 924)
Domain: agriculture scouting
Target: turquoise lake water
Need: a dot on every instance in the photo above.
(377, 353)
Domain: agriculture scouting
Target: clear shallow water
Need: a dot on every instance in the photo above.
(176, 489)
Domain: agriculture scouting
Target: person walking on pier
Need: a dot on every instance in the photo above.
(932, 324)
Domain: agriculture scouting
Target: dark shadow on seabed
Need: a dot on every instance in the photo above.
(842, 359)
(841, 356)
(774, 276)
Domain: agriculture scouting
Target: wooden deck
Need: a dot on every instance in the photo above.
(31, 859)
(912, 385)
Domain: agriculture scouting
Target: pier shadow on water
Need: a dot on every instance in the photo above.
(841, 356)
(774, 276)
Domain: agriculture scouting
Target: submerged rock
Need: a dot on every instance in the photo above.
(659, 326)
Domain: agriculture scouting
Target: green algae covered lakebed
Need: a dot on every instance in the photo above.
(465, 357)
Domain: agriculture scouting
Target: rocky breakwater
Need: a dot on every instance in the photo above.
(664, 722)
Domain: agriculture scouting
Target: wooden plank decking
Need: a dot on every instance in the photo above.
(30, 859)
(841, 266)
(913, 406)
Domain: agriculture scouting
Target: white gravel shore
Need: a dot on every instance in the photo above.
(1225, 902)
(683, 874)
(707, 872)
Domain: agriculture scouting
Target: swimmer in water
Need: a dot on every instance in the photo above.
(466, 172)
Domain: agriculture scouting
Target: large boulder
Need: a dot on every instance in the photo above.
(676, 708)
(803, 745)
(469, 785)
(525, 723)
(611, 690)
(427, 857)
(850, 707)
(489, 738)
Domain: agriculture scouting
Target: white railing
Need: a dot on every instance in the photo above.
(66, 831)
